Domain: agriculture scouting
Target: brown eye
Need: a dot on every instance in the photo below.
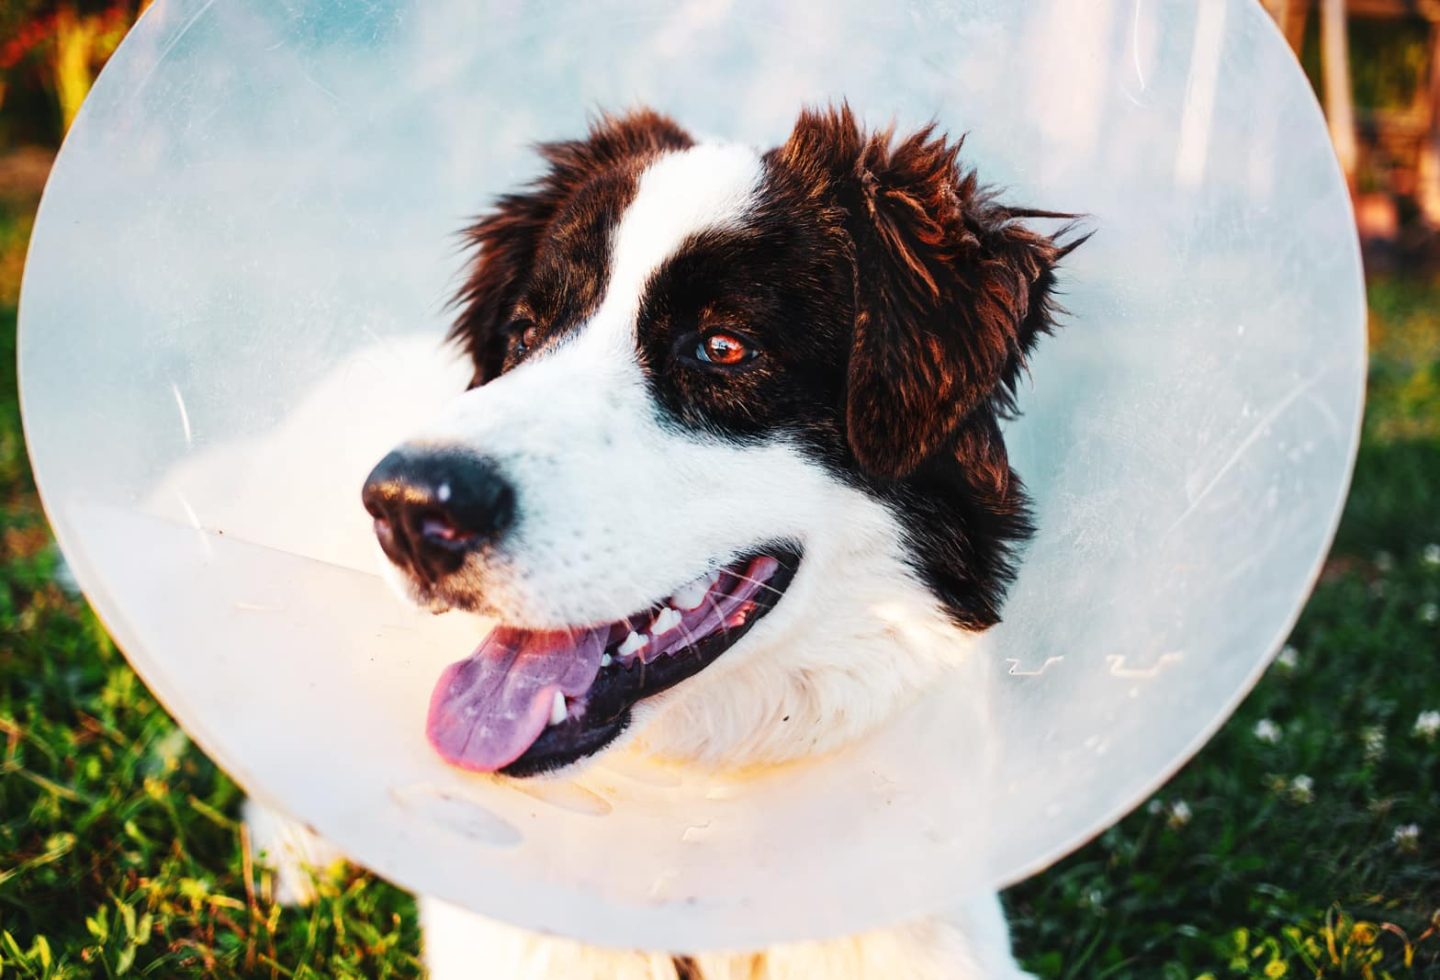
(724, 349)
(523, 333)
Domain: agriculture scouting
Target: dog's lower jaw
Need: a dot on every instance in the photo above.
(805, 688)
(967, 942)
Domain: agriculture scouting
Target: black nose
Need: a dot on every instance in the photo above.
(433, 507)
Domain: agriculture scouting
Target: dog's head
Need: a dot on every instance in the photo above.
(730, 473)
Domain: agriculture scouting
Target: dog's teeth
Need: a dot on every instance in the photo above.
(557, 709)
(633, 642)
(606, 660)
(665, 622)
(689, 596)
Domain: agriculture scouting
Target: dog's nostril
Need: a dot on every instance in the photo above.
(438, 528)
(431, 509)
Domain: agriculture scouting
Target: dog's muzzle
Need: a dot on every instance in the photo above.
(432, 508)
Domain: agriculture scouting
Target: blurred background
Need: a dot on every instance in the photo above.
(1304, 841)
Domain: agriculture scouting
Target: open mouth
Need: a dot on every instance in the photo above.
(529, 701)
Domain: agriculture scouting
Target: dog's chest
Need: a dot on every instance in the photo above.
(970, 943)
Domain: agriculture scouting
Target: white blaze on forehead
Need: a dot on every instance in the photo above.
(706, 187)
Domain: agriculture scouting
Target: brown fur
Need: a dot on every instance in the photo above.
(951, 291)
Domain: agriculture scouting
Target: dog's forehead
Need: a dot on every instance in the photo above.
(709, 187)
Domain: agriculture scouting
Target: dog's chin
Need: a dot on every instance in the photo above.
(531, 702)
(570, 757)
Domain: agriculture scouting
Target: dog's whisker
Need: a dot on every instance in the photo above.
(690, 640)
(756, 581)
(719, 612)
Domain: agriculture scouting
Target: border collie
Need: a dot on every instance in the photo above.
(731, 455)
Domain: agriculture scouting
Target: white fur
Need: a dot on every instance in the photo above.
(706, 187)
(617, 509)
(296, 853)
(969, 942)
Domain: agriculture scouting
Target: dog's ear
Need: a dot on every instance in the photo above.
(505, 240)
(951, 290)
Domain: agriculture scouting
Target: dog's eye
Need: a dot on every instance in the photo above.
(522, 333)
(724, 349)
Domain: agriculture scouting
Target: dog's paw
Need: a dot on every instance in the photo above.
(292, 851)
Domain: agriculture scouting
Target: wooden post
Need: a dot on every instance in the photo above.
(70, 65)
(1297, 13)
(1290, 15)
(1427, 170)
(1339, 101)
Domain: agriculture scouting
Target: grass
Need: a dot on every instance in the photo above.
(1303, 841)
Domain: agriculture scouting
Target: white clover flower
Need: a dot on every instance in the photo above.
(1179, 814)
(1094, 900)
(1288, 657)
(1431, 555)
(1427, 725)
(1267, 731)
(1385, 562)
(1407, 837)
(1372, 738)
(1429, 613)
(1154, 807)
(1302, 789)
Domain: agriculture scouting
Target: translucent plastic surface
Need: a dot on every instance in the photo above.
(233, 306)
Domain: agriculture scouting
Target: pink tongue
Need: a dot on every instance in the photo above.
(487, 710)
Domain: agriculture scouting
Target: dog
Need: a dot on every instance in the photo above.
(729, 475)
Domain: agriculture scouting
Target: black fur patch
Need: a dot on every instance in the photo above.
(894, 302)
